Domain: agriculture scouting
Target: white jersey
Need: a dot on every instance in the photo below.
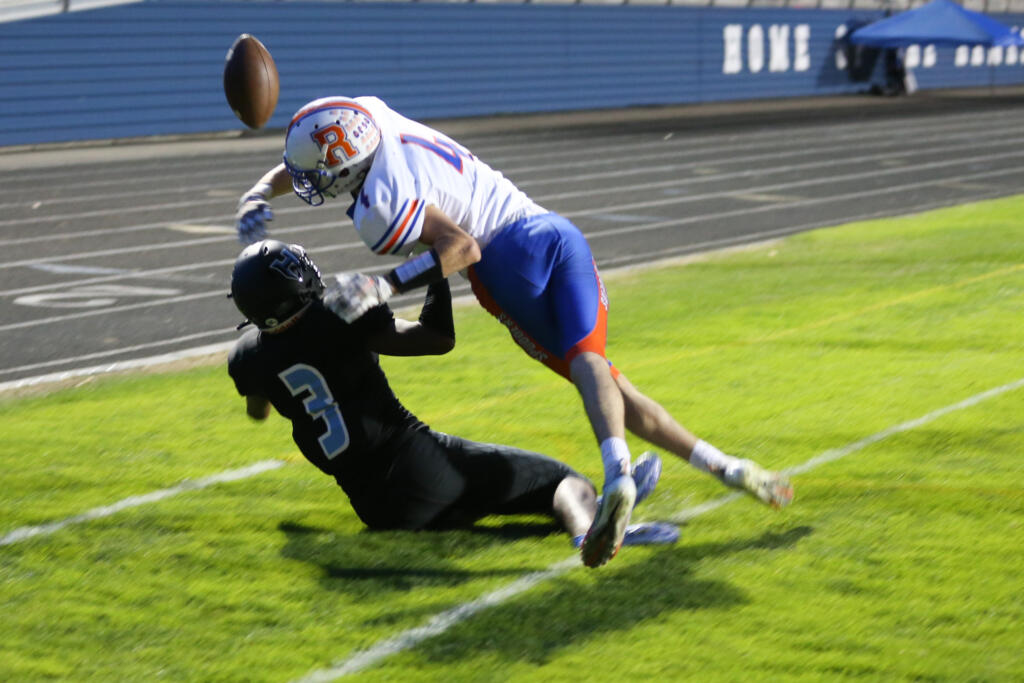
(415, 166)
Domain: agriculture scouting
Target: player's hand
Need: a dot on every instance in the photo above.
(251, 219)
(354, 294)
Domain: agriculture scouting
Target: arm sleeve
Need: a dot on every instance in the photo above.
(236, 368)
(437, 309)
(374, 320)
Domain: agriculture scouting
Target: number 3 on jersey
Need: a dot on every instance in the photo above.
(319, 403)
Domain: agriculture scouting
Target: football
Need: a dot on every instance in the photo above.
(250, 81)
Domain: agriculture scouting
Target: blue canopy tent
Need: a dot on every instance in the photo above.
(940, 22)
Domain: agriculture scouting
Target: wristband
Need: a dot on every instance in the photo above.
(422, 270)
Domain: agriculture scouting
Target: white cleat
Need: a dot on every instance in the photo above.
(644, 533)
(608, 529)
(646, 471)
(771, 488)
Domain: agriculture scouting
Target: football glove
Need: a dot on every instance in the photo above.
(253, 214)
(354, 294)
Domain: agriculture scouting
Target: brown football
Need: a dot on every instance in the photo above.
(250, 81)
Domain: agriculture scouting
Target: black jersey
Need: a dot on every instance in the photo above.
(397, 473)
(320, 375)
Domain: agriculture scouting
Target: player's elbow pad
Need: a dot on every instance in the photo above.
(445, 344)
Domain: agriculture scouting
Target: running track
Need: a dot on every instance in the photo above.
(117, 252)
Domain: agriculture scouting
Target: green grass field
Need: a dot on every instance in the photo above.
(899, 561)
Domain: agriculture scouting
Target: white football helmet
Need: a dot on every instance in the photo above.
(329, 147)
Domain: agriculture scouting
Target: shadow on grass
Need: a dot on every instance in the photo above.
(563, 612)
(624, 595)
(371, 562)
(514, 531)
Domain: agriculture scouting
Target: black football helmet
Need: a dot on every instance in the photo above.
(272, 281)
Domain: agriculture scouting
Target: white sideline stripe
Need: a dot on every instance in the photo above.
(113, 352)
(27, 532)
(118, 366)
(836, 454)
(398, 303)
(439, 623)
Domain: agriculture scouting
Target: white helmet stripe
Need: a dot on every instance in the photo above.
(327, 103)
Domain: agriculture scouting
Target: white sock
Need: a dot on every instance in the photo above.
(707, 458)
(615, 456)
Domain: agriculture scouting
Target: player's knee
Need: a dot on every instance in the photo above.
(574, 492)
(589, 362)
(588, 368)
(579, 486)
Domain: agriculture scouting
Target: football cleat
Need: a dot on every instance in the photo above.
(645, 533)
(771, 488)
(607, 530)
(646, 471)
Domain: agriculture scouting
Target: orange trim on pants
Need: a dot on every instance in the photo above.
(594, 342)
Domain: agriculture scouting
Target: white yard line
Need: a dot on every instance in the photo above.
(837, 453)
(26, 532)
(118, 366)
(443, 621)
(439, 623)
(216, 349)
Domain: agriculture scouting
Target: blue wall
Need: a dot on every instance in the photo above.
(155, 67)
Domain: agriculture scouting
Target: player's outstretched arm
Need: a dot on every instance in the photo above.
(254, 210)
(432, 335)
